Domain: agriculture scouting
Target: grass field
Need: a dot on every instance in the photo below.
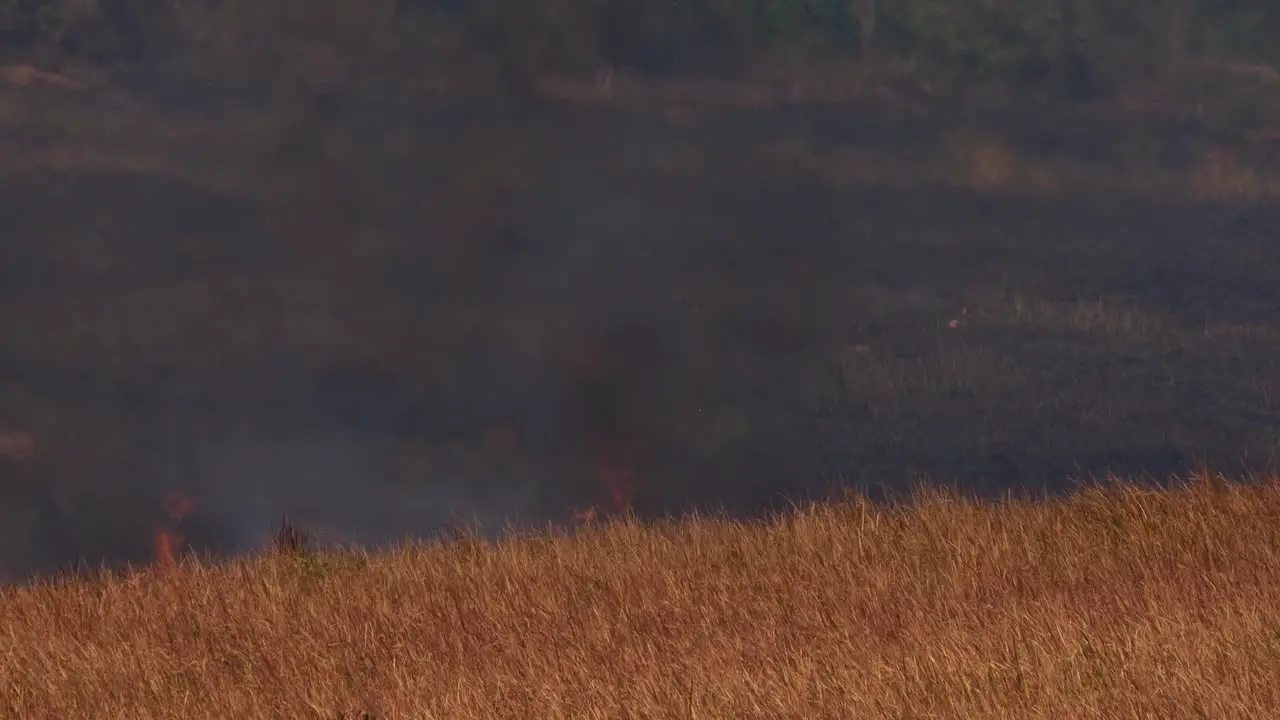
(377, 316)
(1119, 601)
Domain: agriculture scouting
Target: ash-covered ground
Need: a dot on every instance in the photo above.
(389, 320)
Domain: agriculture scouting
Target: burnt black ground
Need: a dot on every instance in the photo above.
(383, 339)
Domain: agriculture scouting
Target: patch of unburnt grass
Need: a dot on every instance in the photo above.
(1120, 600)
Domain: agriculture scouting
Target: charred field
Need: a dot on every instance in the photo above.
(385, 318)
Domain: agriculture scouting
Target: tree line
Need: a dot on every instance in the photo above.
(1016, 41)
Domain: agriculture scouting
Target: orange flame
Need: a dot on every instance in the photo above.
(615, 460)
(165, 543)
(166, 540)
(616, 469)
(585, 517)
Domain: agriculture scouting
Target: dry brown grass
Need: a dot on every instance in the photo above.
(1221, 175)
(1117, 602)
(987, 163)
(984, 163)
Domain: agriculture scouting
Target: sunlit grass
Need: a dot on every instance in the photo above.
(1119, 601)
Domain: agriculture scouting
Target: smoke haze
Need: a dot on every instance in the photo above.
(388, 321)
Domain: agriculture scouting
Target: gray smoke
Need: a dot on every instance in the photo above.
(385, 321)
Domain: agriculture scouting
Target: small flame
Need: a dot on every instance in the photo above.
(166, 539)
(166, 542)
(614, 456)
(616, 471)
(586, 516)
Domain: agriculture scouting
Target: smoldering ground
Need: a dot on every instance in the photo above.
(335, 351)
(389, 321)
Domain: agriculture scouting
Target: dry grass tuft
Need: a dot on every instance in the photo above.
(1220, 175)
(290, 539)
(982, 162)
(1118, 602)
